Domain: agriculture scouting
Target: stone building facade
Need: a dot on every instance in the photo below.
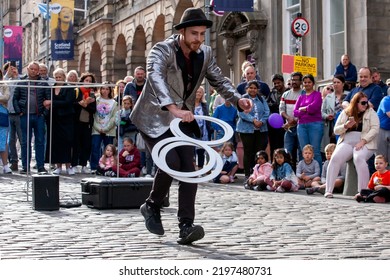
(115, 36)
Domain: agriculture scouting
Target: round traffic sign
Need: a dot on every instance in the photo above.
(300, 27)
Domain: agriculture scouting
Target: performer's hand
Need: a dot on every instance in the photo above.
(184, 115)
(245, 104)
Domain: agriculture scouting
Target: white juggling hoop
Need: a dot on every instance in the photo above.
(161, 149)
(228, 131)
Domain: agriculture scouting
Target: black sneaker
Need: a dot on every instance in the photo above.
(310, 190)
(152, 219)
(23, 171)
(42, 170)
(189, 234)
(321, 191)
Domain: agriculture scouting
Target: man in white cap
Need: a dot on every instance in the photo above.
(175, 70)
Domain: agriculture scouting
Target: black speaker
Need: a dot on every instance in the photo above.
(45, 192)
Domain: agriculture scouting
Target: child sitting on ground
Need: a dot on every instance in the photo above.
(320, 186)
(107, 161)
(129, 160)
(230, 165)
(308, 169)
(283, 178)
(379, 185)
(260, 177)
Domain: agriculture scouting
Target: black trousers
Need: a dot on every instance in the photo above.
(179, 159)
(82, 144)
(252, 143)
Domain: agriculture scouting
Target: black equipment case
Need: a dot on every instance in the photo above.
(120, 193)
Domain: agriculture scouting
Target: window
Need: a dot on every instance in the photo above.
(293, 7)
(334, 35)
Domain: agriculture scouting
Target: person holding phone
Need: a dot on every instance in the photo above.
(358, 128)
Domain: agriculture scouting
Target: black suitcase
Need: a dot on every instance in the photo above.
(110, 193)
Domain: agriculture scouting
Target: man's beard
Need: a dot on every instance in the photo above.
(194, 46)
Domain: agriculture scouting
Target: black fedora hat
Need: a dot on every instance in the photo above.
(193, 17)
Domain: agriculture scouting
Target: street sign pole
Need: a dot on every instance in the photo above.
(299, 28)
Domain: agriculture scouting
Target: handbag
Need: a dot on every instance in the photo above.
(140, 143)
(4, 120)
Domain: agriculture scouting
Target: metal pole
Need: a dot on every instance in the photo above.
(1, 36)
(47, 32)
(207, 42)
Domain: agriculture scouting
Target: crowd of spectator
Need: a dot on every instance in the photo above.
(83, 126)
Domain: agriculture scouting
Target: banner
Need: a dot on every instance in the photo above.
(234, 5)
(13, 45)
(61, 24)
(297, 63)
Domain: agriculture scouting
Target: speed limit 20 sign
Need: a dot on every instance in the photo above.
(300, 27)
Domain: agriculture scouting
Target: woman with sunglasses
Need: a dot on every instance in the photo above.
(333, 96)
(357, 127)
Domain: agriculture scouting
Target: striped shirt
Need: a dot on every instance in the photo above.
(288, 100)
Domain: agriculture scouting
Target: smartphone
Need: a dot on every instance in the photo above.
(13, 63)
(351, 119)
(92, 94)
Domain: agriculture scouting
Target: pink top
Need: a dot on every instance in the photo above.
(261, 172)
(108, 163)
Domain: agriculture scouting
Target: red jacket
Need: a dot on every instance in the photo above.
(133, 159)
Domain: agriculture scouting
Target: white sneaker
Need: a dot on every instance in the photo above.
(57, 171)
(328, 195)
(6, 169)
(70, 171)
(84, 170)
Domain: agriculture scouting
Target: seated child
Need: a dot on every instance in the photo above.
(379, 185)
(308, 169)
(107, 161)
(260, 177)
(283, 178)
(129, 160)
(230, 165)
(126, 127)
(320, 186)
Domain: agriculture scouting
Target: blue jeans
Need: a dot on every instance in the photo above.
(97, 149)
(311, 133)
(14, 131)
(291, 144)
(36, 124)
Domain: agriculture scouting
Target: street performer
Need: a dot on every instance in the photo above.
(176, 68)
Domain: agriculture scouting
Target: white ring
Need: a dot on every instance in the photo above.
(212, 175)
(176, 142)
(228, 130)
(161, 149)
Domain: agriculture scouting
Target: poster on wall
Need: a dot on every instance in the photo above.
(13, 45)
(61, 29)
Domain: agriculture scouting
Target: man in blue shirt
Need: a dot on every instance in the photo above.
(373, 91)
(347, 69)
(376, 79)
(250, 75)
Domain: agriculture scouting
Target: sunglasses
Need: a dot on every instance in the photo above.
(331, 89)
(364, 103)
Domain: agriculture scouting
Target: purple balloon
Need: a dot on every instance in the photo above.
(275, 120)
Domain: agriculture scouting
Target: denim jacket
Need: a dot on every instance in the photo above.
(260, 110)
